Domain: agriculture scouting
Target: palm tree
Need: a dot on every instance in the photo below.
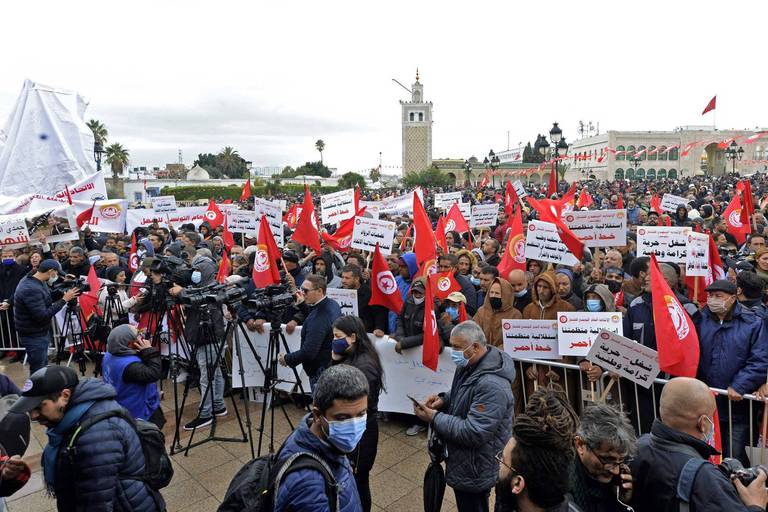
(99, 131)
(228, 160)
(117, 158)
(320, 147)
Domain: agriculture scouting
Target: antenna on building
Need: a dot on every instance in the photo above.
(404, 87)
(181, 158)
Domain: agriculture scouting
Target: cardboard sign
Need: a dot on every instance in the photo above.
(543, 243)
(530, 339)
(243, 221)
(371, 209)
(141, 217)
(577, 330)
(271, 210)
(368, 232)
(519, 189)
(670, 203)
(13, 231)
(484, 215)
(697, 259)
(629, 359)
(164, 204)
(337, 206)
(400, 204)
(346, 299)
(599, 228)
(667, 243)
(446, 199)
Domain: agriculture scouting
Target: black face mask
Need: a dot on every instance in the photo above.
(495, 303)
(613, 286)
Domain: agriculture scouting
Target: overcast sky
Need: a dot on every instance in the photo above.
(270, 78)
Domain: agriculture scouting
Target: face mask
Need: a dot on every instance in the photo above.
(339, 345)
(475, 280)
(8, 261)
(457, 356)
(453, 311)
(345, 434)
(418, 300)
(94, 259)
(613, 286)
(53, 278)
(521, 293)
(196, 277)
(594, 305)
(709, 437)
(716, 305)
(495, 302)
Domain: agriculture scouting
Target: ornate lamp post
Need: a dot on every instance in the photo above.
(734, 154)
(467, 173)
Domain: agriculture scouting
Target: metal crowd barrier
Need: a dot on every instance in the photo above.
(9, 340)
(605, 391)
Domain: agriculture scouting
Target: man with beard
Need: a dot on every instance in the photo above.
(519, 282)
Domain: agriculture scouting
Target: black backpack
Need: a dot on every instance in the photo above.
(254, 487)
(158, 470)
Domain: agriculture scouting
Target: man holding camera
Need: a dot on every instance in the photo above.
(33, 309)
(671, 470)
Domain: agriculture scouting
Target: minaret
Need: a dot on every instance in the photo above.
(417, 130)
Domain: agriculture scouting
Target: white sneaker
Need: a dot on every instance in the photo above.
(415, 430)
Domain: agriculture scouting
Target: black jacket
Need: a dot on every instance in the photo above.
(33, 307)
(374, 317)
(10, 276)
(76, 270)
(589, 494)
(410, 326)
(658, 464)
(469, 291)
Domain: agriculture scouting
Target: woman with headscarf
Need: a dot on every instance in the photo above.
(497, 306)
(133, 366)
(115, 293)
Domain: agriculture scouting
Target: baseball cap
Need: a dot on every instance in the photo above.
(42, 383)
(47, 265)
(457, 297)
(722, 285)
(289, 255)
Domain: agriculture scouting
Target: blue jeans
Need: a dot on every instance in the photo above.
(206, 358)
(37, 350)
(740, 436)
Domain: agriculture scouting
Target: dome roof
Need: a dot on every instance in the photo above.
(198, 173)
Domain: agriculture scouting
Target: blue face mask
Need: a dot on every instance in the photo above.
(345, 434)
(521, 293)
(453, 311)
(594, 305)
(339, 345)
(8, 261)
(457, 356)
(475, 280)
(709, 437)
(196, 277)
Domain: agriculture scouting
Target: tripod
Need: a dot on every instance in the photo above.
(80, 339)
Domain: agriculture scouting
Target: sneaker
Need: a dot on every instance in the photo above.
(198, 423)
(220, 412)
(415, 430)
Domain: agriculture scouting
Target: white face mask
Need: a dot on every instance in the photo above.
(418, 301)
(53, 278)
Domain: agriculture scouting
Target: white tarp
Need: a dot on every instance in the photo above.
(47, 145)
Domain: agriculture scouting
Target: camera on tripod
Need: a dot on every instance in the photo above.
(273, 297)
(213, 293)
(81, 284)
(173, 270)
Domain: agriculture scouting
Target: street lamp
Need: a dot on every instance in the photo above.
(634, 162)
(734, 154)
(467, 172)
(98, 151)
(559, 146)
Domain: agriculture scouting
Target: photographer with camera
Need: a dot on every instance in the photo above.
(671, 470)
(113, 296)
(33, 309)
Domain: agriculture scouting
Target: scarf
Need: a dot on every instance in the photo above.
(56, 436)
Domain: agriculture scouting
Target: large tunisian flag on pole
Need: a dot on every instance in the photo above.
(424, 245)
(676, 338)
(384, 290)
(306, 229)
(213, 215)
(733, 220)
(514, 255)
(265, 270)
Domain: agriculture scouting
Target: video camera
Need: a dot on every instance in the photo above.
(173, 270)
(272, 298)
(213, 293)
(81, 284)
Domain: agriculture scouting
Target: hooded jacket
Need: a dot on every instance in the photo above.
(609, 305)
(489, 319)
(476, 421)
(410, 325)
(536, 311)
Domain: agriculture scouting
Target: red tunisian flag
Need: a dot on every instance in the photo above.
(676, 338)
(265, 270)
(133, 256)
(246, 193)
(440, 235)
(89, 302)
(510, 199)
(711, 105)
(85, 217)
(745, 186)
(733, 220)
(341, 239)
(656, 204)
(549, 211)
(227, 238)
(357, 197)
(620, 202)
(424, 245)
(552, 186)
(213, 215)
(585, 199)
(455, 221)
(484, 182)
(384, 290)
(224, 268)
(514, 255)
(306, 229)
(443, 283)
(431, 346)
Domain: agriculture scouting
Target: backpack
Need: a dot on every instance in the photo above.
(254, 487)
(158, 470)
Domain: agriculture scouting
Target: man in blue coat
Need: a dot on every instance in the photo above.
(733, 356)
(333, 429)
(106, 465)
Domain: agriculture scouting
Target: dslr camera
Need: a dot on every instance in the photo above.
(732, 467)
(81, 284)
(213, 293)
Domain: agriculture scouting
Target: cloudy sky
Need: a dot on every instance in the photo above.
(270, 78)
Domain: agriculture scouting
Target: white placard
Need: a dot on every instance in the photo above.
(56, 224)
(598, 228)
(371, 209)
(577, 330)
(13, 231)
(484, 215)
(405, 374)
(108, 216)
(346, 299)
(466, 211)
(142, 217)
(670, 203)
(530, 339)
(446, 199)
(164, 204)
(243, 221)
(625, 357)
(542, 242)
(519, 189)
(253, 375)
(400, 204)
(337, 206)
(271, 210)
(697, 258)
(367, 232)
(668, 243)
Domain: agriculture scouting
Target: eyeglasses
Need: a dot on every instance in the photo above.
(306, 290)
(611, 464)
(500, 459)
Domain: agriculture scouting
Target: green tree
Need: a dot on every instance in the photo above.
(528, 154)
(375, 174)
(320, 147)
(117, 158)
(313, 169)
(288, 172)
(350, 179)
(231, 163)
(100, 132)
(427, 178)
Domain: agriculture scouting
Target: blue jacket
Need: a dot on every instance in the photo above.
(476, 421)
(304, 490)
(141, 400)
(734, 353)
(638, 320)
(109, 448)
(316, 337)
(33, 307)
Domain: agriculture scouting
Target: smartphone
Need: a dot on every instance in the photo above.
(415, 402)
